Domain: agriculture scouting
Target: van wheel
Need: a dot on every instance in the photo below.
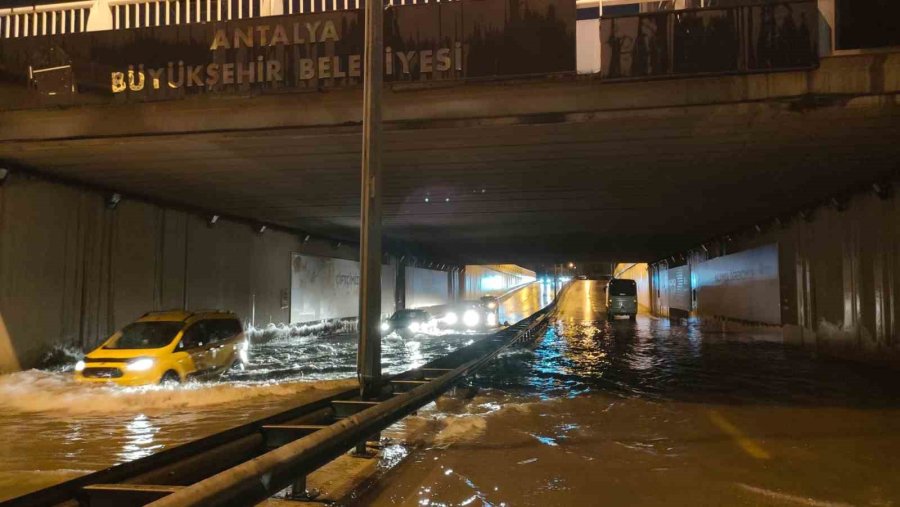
(170, 378)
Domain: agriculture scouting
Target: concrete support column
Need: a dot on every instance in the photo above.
(400, 285)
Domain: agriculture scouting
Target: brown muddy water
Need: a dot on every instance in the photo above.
(52, 429)
(651, 413)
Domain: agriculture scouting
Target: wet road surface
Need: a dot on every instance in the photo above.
(52, 429)
(652, 413)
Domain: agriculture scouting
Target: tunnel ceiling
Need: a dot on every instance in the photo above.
(636, 185)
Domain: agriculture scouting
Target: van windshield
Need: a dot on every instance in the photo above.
(146, 335)
(622, 288)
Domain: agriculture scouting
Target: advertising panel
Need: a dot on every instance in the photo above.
(742, 286)
(328, 288)
(680, 288)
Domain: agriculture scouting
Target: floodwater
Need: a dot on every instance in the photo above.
(52, 429)
(651, 413)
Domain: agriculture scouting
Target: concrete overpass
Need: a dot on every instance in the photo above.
(484, 172)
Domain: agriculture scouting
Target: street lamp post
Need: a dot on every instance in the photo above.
(369, 354)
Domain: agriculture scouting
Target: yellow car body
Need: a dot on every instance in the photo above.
(171, 346)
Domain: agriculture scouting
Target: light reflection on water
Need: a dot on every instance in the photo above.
(52, 428)
(635, 409)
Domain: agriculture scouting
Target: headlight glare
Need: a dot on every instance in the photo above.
(451, 319)
(385, 326)
(140, 364)
(79, 366)
(470, 318)
(414, 327)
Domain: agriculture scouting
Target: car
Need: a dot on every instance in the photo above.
(489, 302)
(408, 323)
(167, 347)
(470, 316)
(621, 298)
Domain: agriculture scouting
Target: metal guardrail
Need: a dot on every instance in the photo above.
(252, 462)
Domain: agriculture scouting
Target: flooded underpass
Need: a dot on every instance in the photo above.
(651, 413)
(53, 429)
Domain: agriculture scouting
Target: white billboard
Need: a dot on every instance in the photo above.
(742, 286)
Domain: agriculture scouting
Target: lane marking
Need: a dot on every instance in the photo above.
(785, 497)
(743, 441)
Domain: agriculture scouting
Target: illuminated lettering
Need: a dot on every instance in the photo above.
(118, 82)
(307, 69)
(406, 60)
(443, 59)
(354, 66)
(279, 36)
(329, 32)
(425, 59)
(220, 40)
(312, 28)
(324, 67)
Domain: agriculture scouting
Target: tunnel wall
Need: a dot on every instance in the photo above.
(838, 275)
(426, 287)
(493, 279)
(72, 270)
(640, 273)
(324, 288)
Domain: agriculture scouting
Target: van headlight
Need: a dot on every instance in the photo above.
(470, 318)
(451, 318)
(140, 365)
(79, 366)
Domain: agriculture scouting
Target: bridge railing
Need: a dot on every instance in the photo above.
(53, 19)
(72, 17)
(750, 38)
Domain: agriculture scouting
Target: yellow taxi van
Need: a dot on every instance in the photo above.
(167, 347)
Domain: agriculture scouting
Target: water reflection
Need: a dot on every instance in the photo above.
(654, 412)
(53, 429)
(139, 442)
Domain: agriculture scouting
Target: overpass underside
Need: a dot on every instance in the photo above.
(490, 171)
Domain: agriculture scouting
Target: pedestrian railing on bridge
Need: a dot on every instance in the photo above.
(751, 38)
(76, 17)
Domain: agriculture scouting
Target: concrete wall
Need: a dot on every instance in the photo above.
(838, 272)
(72, 271)
(493, 279)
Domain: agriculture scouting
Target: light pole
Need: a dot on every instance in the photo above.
(369, 354)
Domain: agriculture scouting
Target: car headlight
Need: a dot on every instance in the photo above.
(451, 319)
(385, 326)
(413, 326)
(471, 318)
(79, 366)
(140, 365)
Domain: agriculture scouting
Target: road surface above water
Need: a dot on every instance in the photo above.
(52, 429)
(651, 413)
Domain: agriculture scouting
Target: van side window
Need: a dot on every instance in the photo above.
(223, 329)
(196, 336)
